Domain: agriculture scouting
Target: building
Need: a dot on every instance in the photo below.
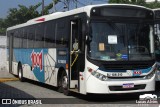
(3, 54)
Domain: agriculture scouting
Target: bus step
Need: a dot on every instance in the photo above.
(74, 90)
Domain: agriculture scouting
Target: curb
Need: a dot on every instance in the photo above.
(8, 79)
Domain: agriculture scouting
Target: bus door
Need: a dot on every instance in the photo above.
(75, 50)
(10, 52)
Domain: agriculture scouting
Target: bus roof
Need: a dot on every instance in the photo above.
(156, 9)
(67, 13)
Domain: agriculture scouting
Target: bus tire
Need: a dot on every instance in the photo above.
(65, 86)
(63, 83)
(20, 74)
(60, 89)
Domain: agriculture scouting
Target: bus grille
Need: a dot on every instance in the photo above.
(120, 88)
(127, 66)
(123, 78)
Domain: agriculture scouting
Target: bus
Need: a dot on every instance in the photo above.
(96, 49)
(157, 41)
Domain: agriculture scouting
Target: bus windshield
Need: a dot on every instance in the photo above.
(157, 40)
(114, 41)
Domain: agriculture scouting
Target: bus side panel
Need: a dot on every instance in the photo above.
(32, 69)
(32, 61)
(50, 69)
(7, 54)
(10, 52)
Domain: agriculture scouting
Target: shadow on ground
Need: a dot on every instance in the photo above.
(91, 98)
(9, 92)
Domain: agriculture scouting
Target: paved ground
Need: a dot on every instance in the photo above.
(5, 76)
(33, 90)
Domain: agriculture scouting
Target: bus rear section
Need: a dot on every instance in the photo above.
(120, 50)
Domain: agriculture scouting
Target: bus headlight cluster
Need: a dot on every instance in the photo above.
(98, 75)
(150, 75)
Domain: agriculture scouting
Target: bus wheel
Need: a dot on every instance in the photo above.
(65, 84)
(20, 74)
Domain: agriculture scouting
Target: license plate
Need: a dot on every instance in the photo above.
(129, 85)
(114, 74)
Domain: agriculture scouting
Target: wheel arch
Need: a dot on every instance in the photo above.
(19, 65)
(60, 72)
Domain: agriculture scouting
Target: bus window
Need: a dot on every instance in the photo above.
(17, 40)
(49, 35)
(39, 36)
(61, 34)
(31, 36)
(25, 39)
(157, 42)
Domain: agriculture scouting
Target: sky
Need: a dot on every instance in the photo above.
(6, 4)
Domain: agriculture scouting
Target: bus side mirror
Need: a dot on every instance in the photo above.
(88, 40)
(157, 55)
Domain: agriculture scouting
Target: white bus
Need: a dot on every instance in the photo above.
(157, 41)
(100, 49)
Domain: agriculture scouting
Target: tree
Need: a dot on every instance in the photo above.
(22, 14)
(152, 5)
(2, 28)
(137, 2)
(50, 6)
(119, 1)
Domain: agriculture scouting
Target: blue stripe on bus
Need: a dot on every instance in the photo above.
(24, 56)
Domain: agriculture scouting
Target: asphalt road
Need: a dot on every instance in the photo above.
(50, 96)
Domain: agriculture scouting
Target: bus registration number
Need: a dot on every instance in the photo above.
(129, 85)
(114, 74)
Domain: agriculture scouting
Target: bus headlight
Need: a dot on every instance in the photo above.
(98, 75)
(150, 75)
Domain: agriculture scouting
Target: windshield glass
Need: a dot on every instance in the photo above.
(113, 41)
(157, 40)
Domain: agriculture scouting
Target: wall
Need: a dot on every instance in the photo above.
(3, 55)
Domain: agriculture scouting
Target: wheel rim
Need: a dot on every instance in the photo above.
(20, 74)
(64, 82)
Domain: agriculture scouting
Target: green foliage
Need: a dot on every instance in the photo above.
(2, 28)
(18, 15)
(136, 2)
(152, 5)
(118, 1)
(22, 14)
(50, 6)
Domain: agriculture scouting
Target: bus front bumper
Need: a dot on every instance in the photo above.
(97, 86)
